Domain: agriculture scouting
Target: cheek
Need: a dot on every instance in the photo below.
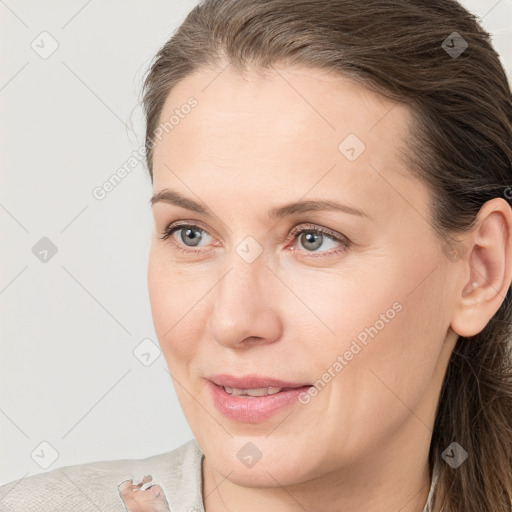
(392, 373)
(389, 334)
(179, 306)
(356, 303)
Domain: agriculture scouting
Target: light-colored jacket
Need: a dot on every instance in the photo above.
(93, 487)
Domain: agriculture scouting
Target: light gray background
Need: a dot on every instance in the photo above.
(69, 326)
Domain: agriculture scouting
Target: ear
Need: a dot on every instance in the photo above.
(487, 269)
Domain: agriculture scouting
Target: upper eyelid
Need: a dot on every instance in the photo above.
(180, 224)
(305, 226)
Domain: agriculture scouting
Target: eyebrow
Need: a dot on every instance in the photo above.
(175, 198)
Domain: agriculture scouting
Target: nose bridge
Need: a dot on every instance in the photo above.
(243, 308)
(245, 271)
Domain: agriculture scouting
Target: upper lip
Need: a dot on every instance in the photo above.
(253, 382)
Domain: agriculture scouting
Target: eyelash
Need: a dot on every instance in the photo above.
(296, 232)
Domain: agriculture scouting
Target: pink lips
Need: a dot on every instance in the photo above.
(252, 409)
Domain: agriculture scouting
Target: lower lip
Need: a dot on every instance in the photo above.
(252, 409)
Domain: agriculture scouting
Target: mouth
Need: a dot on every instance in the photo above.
(253, 404)
(257, 392)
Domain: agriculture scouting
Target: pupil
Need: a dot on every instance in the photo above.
(191, 233)
(312, 238)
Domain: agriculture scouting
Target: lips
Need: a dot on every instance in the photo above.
(253, 382)
(253, 409)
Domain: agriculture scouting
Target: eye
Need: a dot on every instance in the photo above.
(311, 237)
(190, 233)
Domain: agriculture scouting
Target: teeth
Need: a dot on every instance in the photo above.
(251, 392)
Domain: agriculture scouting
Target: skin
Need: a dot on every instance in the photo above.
(254, 142)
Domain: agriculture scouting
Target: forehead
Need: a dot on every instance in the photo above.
(287, 130)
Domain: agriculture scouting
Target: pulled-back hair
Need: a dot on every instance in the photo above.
(460, 147)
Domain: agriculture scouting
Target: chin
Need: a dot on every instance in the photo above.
(242, 463)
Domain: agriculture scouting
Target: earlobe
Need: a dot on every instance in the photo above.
(489, 267)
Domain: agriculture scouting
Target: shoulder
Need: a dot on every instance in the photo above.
(94, 486)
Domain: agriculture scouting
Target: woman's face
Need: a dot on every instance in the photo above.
(366, 318)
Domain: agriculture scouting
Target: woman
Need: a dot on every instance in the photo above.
(330, 272)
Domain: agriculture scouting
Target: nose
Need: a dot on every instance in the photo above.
(245, 311)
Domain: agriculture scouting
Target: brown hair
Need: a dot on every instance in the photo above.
(460, 147)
